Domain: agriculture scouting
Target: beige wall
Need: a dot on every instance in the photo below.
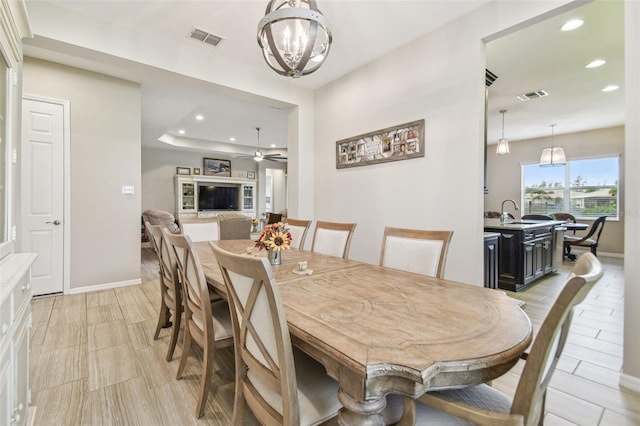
(439, 77)
(105, 155)
(504, 172)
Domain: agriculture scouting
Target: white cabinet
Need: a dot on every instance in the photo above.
(188, 191)
(15, 322)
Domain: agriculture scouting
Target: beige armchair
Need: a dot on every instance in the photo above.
(162, 218)
(234, 226)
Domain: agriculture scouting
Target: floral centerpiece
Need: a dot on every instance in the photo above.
(274, 238)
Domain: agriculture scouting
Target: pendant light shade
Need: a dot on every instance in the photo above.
(554, 155)
(294, 36)
(503, 144)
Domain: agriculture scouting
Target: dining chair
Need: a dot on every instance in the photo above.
(201, 229)
(484, 405)
(414, 250)
(332, 238)
(587, 240)
(206, 323)
(170, 292)
(273, 217)
(567, 217)
(536, 217)
(280, 385)
(298, 230)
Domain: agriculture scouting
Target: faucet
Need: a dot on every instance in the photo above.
(503, 213)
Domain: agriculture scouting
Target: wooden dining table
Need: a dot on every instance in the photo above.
(379, 331)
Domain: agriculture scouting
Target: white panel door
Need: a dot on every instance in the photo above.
(42, 193)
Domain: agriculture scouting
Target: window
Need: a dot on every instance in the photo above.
(584, 188)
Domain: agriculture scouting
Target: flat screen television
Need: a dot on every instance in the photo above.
(215, 197)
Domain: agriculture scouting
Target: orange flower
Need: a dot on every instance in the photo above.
(274, 237)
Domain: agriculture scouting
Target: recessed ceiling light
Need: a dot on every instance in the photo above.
(596, 63)
(181, 131)
(199, 117)
(273, 145)
(232, 139)
(610, 88)
(572, 24)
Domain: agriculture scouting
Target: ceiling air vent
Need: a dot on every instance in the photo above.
(532, 95)
(205, 36)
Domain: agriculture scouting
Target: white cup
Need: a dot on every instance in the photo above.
(302, 265)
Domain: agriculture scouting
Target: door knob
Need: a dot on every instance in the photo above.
(55, 222)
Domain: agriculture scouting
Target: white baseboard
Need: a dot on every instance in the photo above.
(630, 382)
(106, 286)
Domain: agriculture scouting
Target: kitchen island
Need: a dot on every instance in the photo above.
(527, 250)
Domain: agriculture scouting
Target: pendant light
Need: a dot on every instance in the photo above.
(554, 155)
(294, 36)
(503, 144)
(257, 156)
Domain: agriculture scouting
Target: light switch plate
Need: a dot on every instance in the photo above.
(128, 190)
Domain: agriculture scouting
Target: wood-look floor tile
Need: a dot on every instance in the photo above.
(60, 405)
(52, 368)
(130, 295)
(552, 420)
(74, 313)
(611, 337)
(100, 298)
(178, 404)
(598, 374)
(155, 369)
(611, 417)
(105, 335)
(38, 333)
(141, 334)
(139, 312)
(573, 409)
(69, 300)
(596, 345)
(595, 357)
(111, 365)
(125, 403)
(40, 312)
(103, 314)
(65, 335)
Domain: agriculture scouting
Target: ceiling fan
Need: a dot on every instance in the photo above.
(259, 156)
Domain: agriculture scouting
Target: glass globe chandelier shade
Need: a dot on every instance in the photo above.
(554, 155)
(503, 144)
(294, 36)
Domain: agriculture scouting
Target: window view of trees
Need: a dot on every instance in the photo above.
(584, 188)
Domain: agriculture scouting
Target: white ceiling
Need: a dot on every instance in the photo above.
(535, 58)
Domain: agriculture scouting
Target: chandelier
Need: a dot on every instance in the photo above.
(554, 155)
(294, 36)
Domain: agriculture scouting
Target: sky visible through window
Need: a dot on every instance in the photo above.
(597, 171)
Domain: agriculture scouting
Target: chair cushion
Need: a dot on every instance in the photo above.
(481, 396)
(221, 320)
(317, 392)
(572, 239)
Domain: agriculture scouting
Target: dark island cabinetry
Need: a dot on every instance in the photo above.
(525, 253)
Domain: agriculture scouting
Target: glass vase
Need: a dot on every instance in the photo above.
(275, 256)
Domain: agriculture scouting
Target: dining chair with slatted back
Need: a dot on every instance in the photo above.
(170, 291)
(590, 240)
(280, 385)
(298, 230)
(332, 238)
(485, 405)
(414, 250)
(206, 323)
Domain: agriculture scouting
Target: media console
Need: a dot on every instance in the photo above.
(207, 196)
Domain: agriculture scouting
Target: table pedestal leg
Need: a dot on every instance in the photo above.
(366, 413)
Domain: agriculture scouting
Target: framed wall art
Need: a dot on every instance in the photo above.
(183, 171)
(251, 175)
(196, 170)
(215, 167)
(391, 144)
